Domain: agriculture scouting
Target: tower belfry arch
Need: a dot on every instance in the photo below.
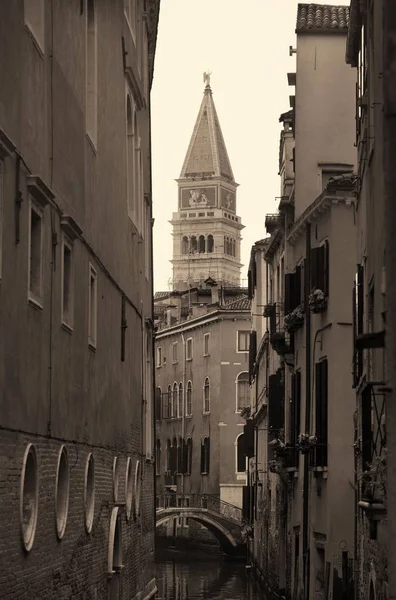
(206, 227)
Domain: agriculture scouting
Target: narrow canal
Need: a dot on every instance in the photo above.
(200, 575)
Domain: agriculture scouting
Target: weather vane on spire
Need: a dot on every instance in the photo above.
(206, 78)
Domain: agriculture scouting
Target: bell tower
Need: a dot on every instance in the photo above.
(206, 228)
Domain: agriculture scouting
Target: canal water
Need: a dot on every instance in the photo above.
(200, 575)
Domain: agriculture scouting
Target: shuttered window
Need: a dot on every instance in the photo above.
(295, 410)
(205, 456)
(276, 407)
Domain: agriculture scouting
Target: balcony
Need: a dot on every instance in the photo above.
(272, 222)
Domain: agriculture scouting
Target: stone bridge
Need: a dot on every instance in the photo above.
(222, 519)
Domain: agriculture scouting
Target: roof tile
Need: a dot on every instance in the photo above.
(322, 16)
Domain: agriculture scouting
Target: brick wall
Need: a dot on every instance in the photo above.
(76, 566)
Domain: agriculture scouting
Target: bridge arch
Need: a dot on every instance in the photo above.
(226, 539)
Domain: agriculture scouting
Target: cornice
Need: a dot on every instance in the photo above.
(322, 204)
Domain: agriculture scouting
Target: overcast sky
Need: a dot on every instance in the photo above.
(246, 47)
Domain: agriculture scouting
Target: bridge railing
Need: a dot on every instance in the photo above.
(208, 501)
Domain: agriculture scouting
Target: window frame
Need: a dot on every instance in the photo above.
(206, 351)
(189, 346)
(68, 322)
(206, 387)
(205, 456)
(237, 472)
(238, 345)
(92, 330)
(189, 401)
(1, 215)
(175, 359)
(237, 382)
(37, 299)
(158, 357)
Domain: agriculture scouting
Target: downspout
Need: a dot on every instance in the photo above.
(305, 532)
(183, 410)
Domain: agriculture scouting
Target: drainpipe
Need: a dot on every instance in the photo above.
(184, 408)
(305, 507)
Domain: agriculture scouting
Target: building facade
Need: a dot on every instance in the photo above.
(203, 334)
(370, 369)
(76, 359)
(303, 405)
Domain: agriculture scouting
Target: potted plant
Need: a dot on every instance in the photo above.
(306, 442)
(317, 301)
(294, 320)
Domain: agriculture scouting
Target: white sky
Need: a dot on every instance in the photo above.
(246, 46)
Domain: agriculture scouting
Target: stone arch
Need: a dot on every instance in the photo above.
(210, 243)
(114, 553)
(193, 244)
(225, 538)
(184, 245)
(201, 244)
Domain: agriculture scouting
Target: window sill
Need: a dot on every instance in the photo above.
(158, 366)
(206, 413)
(35, 303)
(208, 354)
(188, 359)
(67, 327)
(175, 362)
(320, 471)
(205, 473)
(188, 417)
(242, 351)
(92, 346)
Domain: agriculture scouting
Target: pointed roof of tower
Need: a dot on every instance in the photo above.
(207, 153)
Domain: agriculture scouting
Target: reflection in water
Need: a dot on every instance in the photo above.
(182, 576)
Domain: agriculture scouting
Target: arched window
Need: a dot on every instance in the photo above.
(184, 245)
(193, 244)
(233, 247)
(180, 403)
(174, 401)
(168, 455)
(241, 457)
(210, 243)
(206, 394)
(180, 456)
(242, 391)
(189, 400)
(158, 457)
(91, 73)
(201, 244)
(225, 245)
(138, 196)
(169, 403)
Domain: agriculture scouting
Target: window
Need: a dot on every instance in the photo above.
(174, 401)
(206, 394)
(174, 352)
(206, 344)
(89, 493)
(34, 20)
(180, 402)
(92, 308)
(180, 448)
(62, 492)
(189, 349)
(205, 456)
(320, 268)
(187, 457)
(201, 244)
(185, 245)
(210, 243)
(67, 284)
(29, 497)
(189, 400)
(168, 455)
(243, 341)
(91, 73)
(294, 415)
(243, 396)
(193, 244)
(159, 357)
(137, 176)
(241, 457)
(168, 403)
(116, 477)
(158, 457)
(36, 234)
(321, 419)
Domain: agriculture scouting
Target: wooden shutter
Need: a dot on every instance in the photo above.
(314, 269)
(185, 457)
(207, 455)
(276, 417)
(288, 304)
(203, 456)
(252, 354)
(273, 319)
(321, 409)
(248, 438)
(326, 267)
(360, 316)
(297, 287)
